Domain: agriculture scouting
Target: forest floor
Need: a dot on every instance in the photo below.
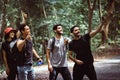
(100, 54)
(42, 72)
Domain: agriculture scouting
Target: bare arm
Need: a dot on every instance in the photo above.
(48, 56)
(5, 61)
(48, 60)
(74, 59)
(70, 56)
(36, 55)
(93, 33)
(20, 44)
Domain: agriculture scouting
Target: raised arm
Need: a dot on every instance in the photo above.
(21, 43)
(93, 33)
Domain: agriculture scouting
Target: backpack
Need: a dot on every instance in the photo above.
(12, 44)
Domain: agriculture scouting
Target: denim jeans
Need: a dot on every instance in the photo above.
(25, 72)
(63, 71)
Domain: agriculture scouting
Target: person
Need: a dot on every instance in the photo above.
(26, 53)
(56, 55)
(80, 48)
(7, 53)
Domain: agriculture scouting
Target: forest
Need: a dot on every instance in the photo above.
(42, 15)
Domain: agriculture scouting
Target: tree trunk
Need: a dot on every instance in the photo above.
(107, 19)
(3, 19)
(90, 13)
(100, 10)
(45, 15)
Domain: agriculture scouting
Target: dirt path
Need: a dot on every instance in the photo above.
(42, 72)
(106, 69)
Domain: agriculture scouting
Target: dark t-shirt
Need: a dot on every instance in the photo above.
(81, 48)
(25, 57)
(29, 52)
(10, 56)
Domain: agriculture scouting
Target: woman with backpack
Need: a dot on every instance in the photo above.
(8, 55)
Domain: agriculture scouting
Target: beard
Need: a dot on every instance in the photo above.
(77, 35)
(60, 33)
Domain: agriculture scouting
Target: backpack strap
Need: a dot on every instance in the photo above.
(53, 43)
(12, 44)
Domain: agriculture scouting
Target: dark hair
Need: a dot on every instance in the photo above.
(71, 30)
(21, 26)
(55, 26)
(7, 36)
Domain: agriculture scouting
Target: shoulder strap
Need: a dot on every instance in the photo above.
(12, 44)
(53, 43)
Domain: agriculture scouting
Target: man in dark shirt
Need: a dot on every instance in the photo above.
(80, 45)
(26, 53)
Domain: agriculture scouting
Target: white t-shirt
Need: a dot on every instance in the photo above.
(58, 56)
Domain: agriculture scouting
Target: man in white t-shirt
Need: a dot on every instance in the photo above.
(57, 55)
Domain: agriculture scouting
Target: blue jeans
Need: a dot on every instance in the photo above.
(25, 72)
(63, 71)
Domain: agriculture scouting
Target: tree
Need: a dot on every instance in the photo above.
(91, 7)
(3, 16)
(107, 17)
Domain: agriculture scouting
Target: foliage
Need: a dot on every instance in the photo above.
(43, 14)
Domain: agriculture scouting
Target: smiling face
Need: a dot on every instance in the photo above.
(59, 30)
(11, 34)
(26, 30)
(76, 32)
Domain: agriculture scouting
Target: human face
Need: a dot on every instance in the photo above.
(76, 32)
(12, 34)
(59, 30)
(26, 30)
